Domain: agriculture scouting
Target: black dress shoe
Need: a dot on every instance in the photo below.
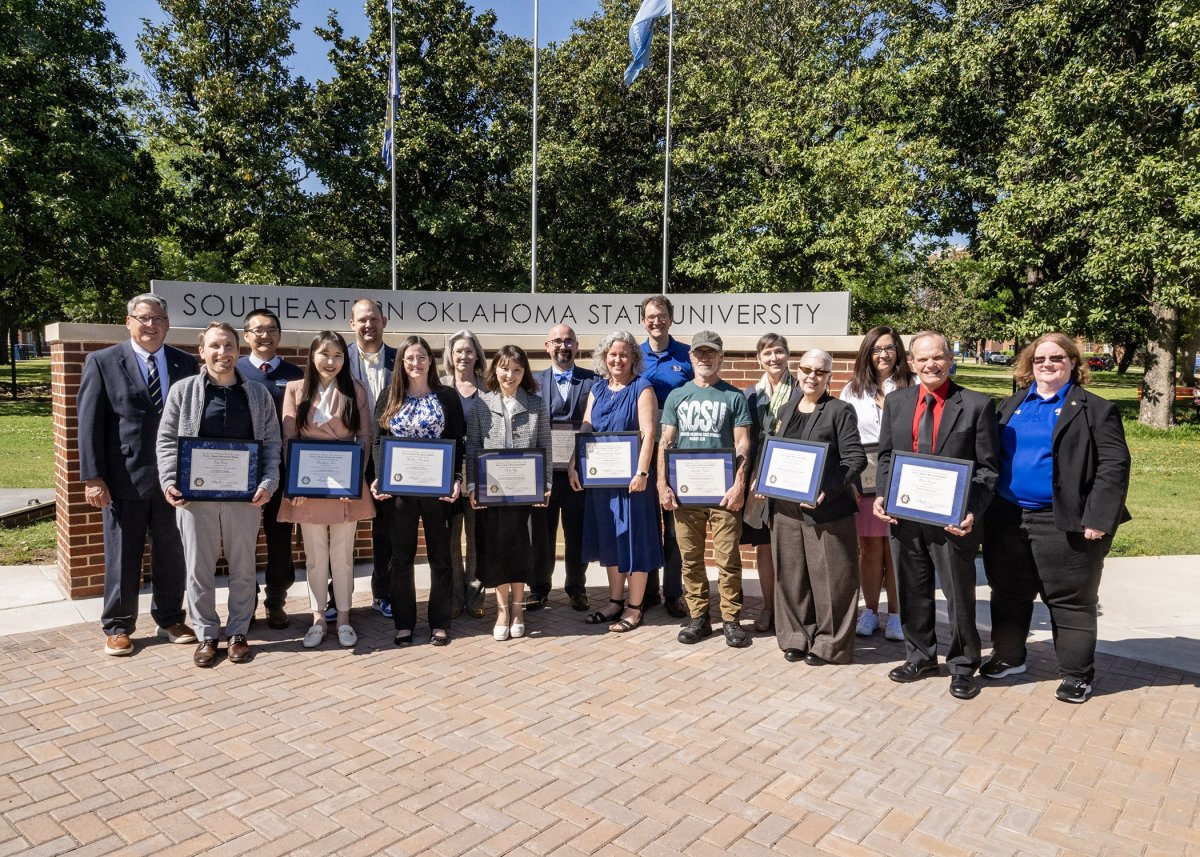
(652, 600)
(277, 618)
(206, 653)
(536, 601)
(676, 609)
(814, 660)
(579, 601)
(793, 655)
(908, 671)
(963, 687)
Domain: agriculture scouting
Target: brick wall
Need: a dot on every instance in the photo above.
(80, 537)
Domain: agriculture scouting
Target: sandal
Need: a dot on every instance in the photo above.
(440, 638)
(598, 618)
(625, 625)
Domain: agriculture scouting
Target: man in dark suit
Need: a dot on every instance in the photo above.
(938, 417)
(120, 403)
(371, 363)
(564, 387)
(262, 331)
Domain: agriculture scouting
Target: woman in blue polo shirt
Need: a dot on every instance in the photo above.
(1064, 474)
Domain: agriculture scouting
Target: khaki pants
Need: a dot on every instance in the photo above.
(690, 525)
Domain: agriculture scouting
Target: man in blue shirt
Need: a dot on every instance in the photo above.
(667, 366)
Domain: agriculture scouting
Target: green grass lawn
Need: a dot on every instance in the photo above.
(32, 545)
(26, 444)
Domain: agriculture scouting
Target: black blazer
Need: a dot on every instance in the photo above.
(834, 422)
(118, 426)
(456, 426)
(573, 407)
(967, 431)
(1090, 458)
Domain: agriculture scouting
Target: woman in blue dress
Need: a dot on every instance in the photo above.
(620, 525)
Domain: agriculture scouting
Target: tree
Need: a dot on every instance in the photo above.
(78, 197)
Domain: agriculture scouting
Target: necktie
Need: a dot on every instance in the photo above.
(925, 430)
(154, 383)
(266, 368)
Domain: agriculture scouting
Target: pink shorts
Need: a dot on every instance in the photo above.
(868, 524)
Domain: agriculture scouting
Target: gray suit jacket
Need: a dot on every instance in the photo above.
(485, 429)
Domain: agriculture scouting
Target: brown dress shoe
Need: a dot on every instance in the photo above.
(277, 618)
(206, 653)
(178, 633)
(579, 601)
(239, 649)
(118, 645)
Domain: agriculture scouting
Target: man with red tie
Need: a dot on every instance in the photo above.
(938, 417)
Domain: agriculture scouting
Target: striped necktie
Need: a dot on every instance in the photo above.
(154, 384)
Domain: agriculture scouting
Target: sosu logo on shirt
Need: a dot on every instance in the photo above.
(702, 417)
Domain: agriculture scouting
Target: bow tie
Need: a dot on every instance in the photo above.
(562, 377)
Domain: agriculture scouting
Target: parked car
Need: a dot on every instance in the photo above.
(1103, 362)
(998, 358)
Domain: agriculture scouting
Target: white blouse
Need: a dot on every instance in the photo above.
(870, 414)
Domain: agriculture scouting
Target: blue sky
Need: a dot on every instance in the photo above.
(515, 17)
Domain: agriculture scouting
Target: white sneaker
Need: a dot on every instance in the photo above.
(314, 636)
(868, 623)
(892, 629)
(346, 636)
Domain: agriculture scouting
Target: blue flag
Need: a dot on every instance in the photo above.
(639, 35)
(389, 125)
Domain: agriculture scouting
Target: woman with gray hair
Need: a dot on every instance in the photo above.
(816, 546)
(620, 525)
(465, 365)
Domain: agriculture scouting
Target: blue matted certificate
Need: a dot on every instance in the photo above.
(792, 469)
(211, 468)
(324, 468)
(929, 489)
(607, 459)
(700, 477)
(417, 467)
(510, 477)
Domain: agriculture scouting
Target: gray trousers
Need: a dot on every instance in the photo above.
(203, 528)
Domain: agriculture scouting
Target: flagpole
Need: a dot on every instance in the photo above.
(533, 192)
(667, 169)
(394, 85)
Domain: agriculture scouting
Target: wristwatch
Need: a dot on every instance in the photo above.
(642, 473)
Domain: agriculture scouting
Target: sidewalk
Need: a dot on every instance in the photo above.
(1149, 606)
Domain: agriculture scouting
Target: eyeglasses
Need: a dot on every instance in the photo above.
(417, 361)
(820, 373)
(263, 331)
(561, 343)
(886, 349)
(147, 320)
(1054, 359)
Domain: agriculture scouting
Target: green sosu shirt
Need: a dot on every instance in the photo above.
(704, 417)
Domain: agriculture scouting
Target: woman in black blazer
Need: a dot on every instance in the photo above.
(1064, 474)
(816, 547)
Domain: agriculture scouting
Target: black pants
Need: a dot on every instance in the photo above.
(127, 523)
(435, 514)
(1026, 555)
(567, 505)
(672, 573)
(281, 574)
(923, 555)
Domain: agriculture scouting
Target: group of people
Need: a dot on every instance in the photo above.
(1049, 474)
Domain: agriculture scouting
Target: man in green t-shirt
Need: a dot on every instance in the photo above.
(708, 413)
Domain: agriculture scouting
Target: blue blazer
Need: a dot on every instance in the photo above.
(118, 425)
(573, 407)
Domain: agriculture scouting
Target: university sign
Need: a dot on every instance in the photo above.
(303, 308)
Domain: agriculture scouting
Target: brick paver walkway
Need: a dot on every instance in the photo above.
(574, 741)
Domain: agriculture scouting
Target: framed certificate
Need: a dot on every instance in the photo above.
(218, 468)
(510, 477)
(792, 469)
(417, 467)
(929, 489)
(324, 468)
(700, 477)
(607, 459)
(562, 442)
(867, 479)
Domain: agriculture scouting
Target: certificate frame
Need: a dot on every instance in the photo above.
(630, 439)
(491, 456)
(963, 469)
(684, 496)
(390, 446)
(560, 427)
(868, 483)
(765, 478)
(294, 481)
(191, 484)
